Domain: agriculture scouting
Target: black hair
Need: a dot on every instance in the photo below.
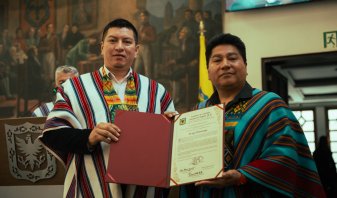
(120, 23)
(222, 39)
(323, 142)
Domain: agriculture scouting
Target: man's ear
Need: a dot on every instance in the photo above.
(208, 74)
(246, 70)
(137, 50)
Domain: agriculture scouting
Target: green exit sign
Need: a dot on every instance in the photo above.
(330, 39)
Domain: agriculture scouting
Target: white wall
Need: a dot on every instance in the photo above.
(279, 31)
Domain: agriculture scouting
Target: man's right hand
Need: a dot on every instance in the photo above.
(170, 114)
(106, 132)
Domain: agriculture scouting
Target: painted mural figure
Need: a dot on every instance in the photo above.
(81, 51)
(147, 35)
(190, 22)
(73, 37)
(16, 58)
(62, 37)
(6, 39)
(36, 84)
(49, 48)
(5, 90)
(81, 15)
(210, 25)
(32, 38)
(185, 68)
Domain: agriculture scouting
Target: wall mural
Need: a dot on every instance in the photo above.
(83, 13)
(36, 13)
(168, 35)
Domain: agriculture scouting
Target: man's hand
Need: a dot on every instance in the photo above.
(228, 178)
(105, 132)
(170, 115)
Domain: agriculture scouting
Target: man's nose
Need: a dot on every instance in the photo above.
(119, 45)
(225, 63)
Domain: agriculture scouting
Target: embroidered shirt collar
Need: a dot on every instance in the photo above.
(113, 77)
(245, 93)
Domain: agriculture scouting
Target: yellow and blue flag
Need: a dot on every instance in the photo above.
(205, 85)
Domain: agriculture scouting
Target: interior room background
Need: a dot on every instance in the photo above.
(171, 57)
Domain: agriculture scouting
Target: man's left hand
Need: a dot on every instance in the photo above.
(228, 178)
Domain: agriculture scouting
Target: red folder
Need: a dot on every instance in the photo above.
(142, 156)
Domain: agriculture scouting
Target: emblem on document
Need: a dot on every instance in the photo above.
(27, 158)
(182, 121)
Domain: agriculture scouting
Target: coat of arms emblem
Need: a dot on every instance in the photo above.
(37, 12)
(28, 159)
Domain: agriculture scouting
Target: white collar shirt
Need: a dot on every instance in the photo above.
(119, 85)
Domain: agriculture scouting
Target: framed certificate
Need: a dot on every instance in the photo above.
(156, 151)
